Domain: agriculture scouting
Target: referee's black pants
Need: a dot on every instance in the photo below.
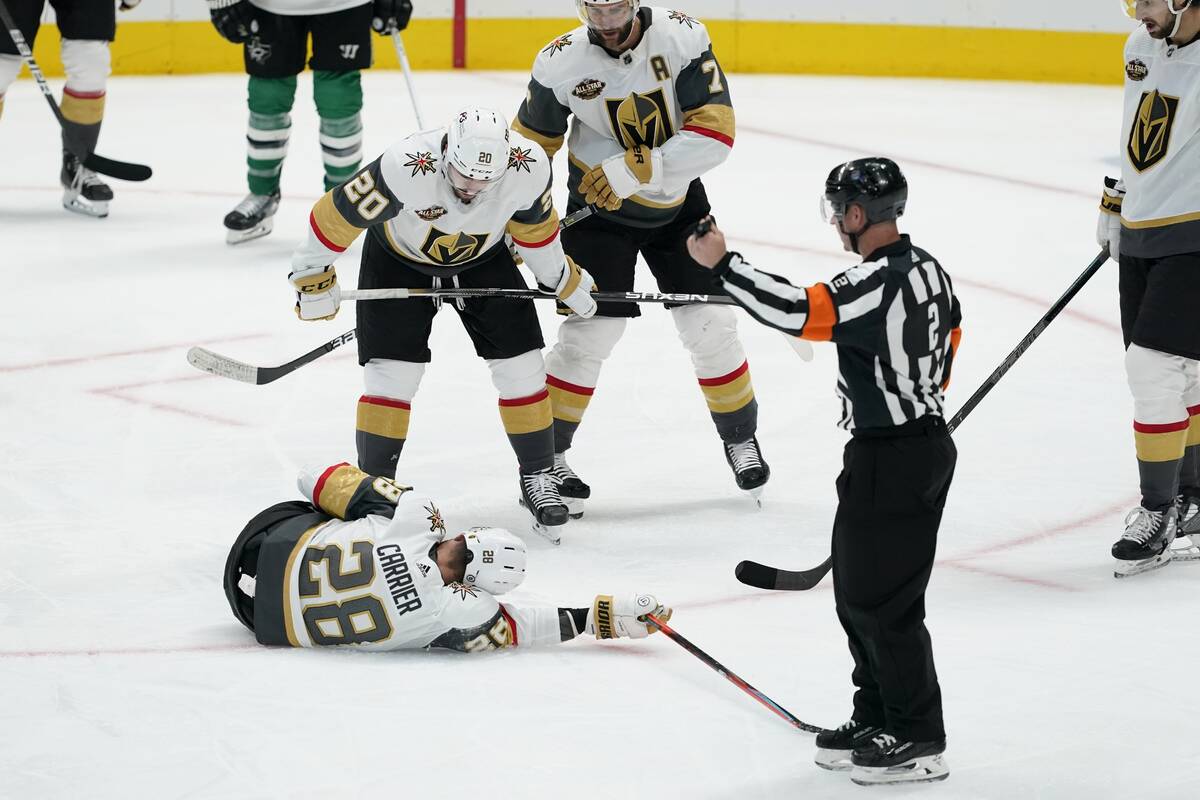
(891, 493)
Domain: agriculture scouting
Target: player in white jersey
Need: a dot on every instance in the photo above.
(649, 112)
(274, 35)
(1150, 221)
(438, 205)
(86, 27)
(369, 563)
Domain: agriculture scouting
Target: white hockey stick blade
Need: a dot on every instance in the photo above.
(210, 362)
(802, 348)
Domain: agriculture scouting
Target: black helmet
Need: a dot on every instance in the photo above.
(875, 183)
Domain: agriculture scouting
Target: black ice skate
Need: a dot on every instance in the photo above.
(1186, 546)
(83, 192)
(1146, 542)
(750, 470)
(834, 747)
(570, 487)
(886, 759)
(539, 494)
(252, 218)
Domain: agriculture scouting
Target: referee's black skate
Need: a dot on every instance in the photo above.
(539, 494)
(886, 759)
(834, 747)
(1145, 545)
(750, 469)
(83, 192)
(571, 487)
(252, 218)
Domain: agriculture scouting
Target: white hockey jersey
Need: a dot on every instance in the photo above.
(668, 93)
(407, 202)
(372, 581)
(306, 8)
(1160, 144)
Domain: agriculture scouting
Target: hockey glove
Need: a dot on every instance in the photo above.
(607, 185)
(574, 289)
(390, 16)
(625, 616)
(318, 295)
(1108, 227)
(233, 19)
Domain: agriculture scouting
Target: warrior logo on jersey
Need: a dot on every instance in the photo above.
(431, 213)
(435, 519)
(641, 119)
(589, 89)
(558, 45)
(683, 19)
(1151, 133)
(1137, 70)
(423, 163)
(519, 159)
(449, 249)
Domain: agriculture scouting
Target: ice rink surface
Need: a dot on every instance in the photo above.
(127, 474)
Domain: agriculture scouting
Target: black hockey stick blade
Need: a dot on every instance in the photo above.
(121, 170)
(761, 576)
(225, 367)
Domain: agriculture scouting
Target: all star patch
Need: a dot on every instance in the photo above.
(423, 163)
(1137, 70)
(519, 159)
(589, 89)
(431, 213)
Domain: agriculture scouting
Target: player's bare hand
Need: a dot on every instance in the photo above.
(707, 245)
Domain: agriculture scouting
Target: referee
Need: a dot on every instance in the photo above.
(895, 321)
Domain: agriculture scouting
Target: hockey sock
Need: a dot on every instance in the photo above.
(381, 429)
(270, 102)
(83, 112)
(338, 96)
(568, 402)
(1189, 474)
(731, 403)
(530, 428)
(1158, 382)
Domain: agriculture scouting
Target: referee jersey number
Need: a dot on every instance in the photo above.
(357, 619)
(934, 328)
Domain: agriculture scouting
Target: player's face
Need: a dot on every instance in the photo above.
(1155, 15)
(464, 188)
(609, 22)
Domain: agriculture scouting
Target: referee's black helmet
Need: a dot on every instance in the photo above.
(875, 183)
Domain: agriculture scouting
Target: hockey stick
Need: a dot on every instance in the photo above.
(402, 56)
(534, 294)
(774, 707)
(762, 576)
(206, 360)
(105, 166)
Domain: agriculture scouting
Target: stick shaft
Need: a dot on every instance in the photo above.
(532, 294)
(402, 56)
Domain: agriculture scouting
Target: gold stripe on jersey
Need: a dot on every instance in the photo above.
(337, 489)
(641, 201)
(330, 223)
(551, 144)
(1160, 223)
(713, 117)
(301, 545)
(535, 233)
(83, 110)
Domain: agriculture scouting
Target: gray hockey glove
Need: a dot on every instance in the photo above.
(390, 16)
(233, 19)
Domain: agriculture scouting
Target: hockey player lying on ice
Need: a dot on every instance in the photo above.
(369, 563)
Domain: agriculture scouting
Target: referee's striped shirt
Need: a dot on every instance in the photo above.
(894, 318)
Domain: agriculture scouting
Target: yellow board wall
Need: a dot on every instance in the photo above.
(742, 46)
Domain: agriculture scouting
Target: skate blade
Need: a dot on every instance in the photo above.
(756, 495)
(833, 760)
(88, 208)
(1127, 569)
(1184, 548)
(548, 532)
(257, 232)
(575, 506)
(926, 769)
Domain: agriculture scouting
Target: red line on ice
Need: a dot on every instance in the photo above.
(129, 651)
(67, 362)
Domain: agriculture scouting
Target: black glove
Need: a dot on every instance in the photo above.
(390, 16)
(233, 19)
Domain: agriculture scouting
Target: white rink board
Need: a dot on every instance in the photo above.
(126, 475)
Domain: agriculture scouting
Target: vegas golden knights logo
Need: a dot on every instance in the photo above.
(1151, 132)
(449, 249)
(641, 119)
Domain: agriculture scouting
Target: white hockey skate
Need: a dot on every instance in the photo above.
(1186, 546)
(83, 192)
(539, 495)
(1145, 545)
(252, 218)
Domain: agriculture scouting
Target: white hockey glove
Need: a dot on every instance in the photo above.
(1108, 227)
(624, 616)
(318, 295)
(637, 169)
(574, 289)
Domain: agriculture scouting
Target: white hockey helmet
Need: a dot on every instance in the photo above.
(607, 15)
(495, 560)
(477, 149)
